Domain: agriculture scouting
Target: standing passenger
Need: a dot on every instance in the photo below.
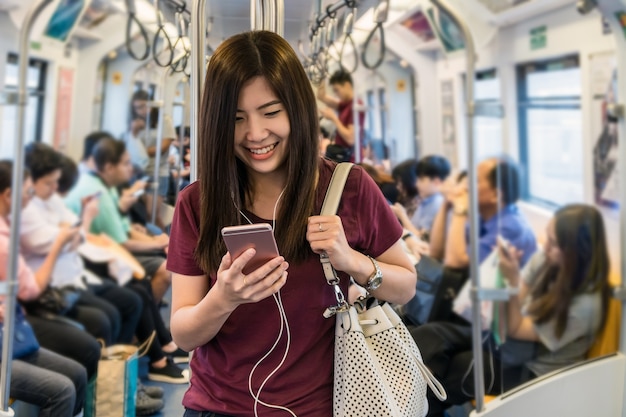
(259, 146)
(142, 146)
(340, 112)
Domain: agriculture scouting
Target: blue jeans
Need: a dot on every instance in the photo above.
(194, 413)
(52, 382)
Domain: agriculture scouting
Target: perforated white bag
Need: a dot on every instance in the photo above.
(378, 367)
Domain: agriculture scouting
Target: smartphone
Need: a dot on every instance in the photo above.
(145, 178)
(139, 192)
(258, 236)
(504, 244)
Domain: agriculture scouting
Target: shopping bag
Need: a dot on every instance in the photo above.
(116, 383)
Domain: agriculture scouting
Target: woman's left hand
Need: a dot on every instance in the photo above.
(326, 234)
(509, 261)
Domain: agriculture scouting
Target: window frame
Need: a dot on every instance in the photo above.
(39, 92)
(526, 103)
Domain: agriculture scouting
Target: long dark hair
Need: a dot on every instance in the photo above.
(224, 183)
(584, 268)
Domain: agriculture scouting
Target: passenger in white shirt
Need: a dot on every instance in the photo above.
(107, 310)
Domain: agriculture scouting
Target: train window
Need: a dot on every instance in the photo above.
(376, 122)
(487, 114)
(36, 84)
(550, 130)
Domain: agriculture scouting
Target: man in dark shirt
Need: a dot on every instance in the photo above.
(339, 110)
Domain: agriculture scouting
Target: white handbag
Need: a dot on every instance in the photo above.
(378, 367)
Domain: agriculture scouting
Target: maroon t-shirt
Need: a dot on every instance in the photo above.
(304, 382)
(346, 117)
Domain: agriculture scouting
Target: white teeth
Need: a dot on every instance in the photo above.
(263, 150)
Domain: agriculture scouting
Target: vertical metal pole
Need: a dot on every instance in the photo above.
(198, 72)
(280, 16)
(269, 18)
(257, 14)
(181, 156)
(16, 206)
(357, 126)
(479, 388)
(609, 9)
(157, 157)
(181, 137)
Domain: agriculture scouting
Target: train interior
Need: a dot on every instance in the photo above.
(546, 81)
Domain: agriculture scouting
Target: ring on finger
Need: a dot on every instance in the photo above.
(320, 227)
(244, 281)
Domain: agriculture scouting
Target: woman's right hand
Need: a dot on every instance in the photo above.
(67, 234)
(239, 288)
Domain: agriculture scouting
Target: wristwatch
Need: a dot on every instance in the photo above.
(374, 281)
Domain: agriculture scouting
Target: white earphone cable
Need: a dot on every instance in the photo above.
(284, 324)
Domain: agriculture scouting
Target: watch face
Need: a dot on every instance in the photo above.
(375, 282)
(376, 279)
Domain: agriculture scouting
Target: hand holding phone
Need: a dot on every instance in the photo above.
(139, 192)
(258, 236)
(504, 247)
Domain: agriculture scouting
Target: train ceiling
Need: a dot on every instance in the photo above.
(233, 16)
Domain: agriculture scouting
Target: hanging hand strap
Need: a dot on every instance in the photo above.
(329, 207)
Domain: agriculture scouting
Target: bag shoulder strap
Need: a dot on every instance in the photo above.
(329, 207)
(335, 188)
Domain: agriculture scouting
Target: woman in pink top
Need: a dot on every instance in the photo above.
(52, 382)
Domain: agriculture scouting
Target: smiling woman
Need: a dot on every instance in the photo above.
(260, 152)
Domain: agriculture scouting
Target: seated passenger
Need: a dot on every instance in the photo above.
(113, 167)
(498, 191)
(431, 172)
(405, 176)
(560, 308)
(412, 244)
(106, 310)
(439, 230)
(50, 381)
(384, 181)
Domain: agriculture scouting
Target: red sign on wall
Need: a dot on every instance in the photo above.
(63, 108)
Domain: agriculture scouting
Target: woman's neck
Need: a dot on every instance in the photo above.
(266, 191)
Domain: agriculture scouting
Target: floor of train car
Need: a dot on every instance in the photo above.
(173, 392)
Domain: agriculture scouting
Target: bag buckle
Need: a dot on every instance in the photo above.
(361, 303)
(329, 271)
(339, 308)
